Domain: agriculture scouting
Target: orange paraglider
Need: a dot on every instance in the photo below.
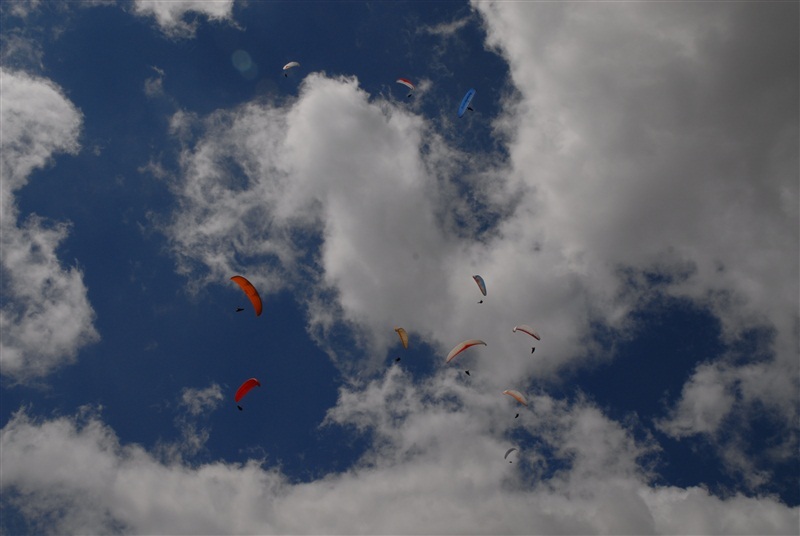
(251, 292)
(516, 395)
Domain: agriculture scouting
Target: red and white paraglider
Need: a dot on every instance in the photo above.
(516, 395)
(460, 347)
(406, 82)
(530, 331)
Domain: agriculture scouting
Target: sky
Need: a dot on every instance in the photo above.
(626, 183)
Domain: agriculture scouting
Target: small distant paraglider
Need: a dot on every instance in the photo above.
(529, 330)
(460, 347)
(509, 451)
(465, 103)
(251, 292)
(406, 82)
(403, 336)
(516, 395)
(245, 388)
(290, 65)
(481, 285)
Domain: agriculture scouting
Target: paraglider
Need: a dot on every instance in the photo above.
(251, 292)
(516, 395)
(406, 82)
(481, 285)
(290, 65)
(529, 330)
(509, 451)
(244, 389)
(460, 347)
(403, 336)
(465, 103)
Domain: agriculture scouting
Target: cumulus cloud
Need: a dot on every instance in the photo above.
(650, 157)
(334, 196)
(46, 316)
(660, 147)
(436, 467)
(172, 16)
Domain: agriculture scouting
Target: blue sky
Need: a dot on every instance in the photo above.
(627, 184)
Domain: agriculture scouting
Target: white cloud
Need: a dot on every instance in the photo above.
(659, 142)
(198, 401)
(704, 403)
(436, 467)
(154, 86)
(447, 29)
(46, 316)
(264, 183)
(195, 407)
(633, 176)
(21, 8)
(171, 16)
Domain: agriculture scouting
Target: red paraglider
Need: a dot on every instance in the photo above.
(244, 389)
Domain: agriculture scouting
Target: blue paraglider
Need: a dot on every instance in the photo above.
(465, 102)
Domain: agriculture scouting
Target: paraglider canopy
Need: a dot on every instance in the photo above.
(516, 395)
(527, 329)
(465, 102)
(244, 389)
(403, 336)
(290, 65)
(406, 82)
(509, 451)
(481, 283)
(251, 292)
(460, 347)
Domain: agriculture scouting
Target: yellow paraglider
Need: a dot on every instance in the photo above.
(403, 336)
